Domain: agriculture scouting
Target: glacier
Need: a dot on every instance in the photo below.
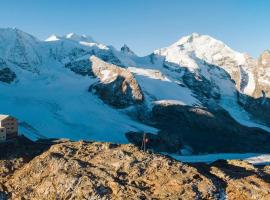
(50, 94)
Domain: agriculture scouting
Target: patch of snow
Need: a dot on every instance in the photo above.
(154, 74)
(253, 158)
(263, 159)
(92, 44)
(169, 102)
(249, 89)
(79, 38)
(230, 104)
(107, 75)
(52, 38)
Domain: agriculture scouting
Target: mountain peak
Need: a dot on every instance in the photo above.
(79, 38)
(194, 47)
(11, 33)
(52, 38)
(264, 58)
(197, 38)
(125, 49)
(71, 36)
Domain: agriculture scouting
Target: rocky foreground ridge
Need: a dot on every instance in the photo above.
(94, 170)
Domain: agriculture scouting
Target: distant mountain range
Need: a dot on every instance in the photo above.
(196, 96)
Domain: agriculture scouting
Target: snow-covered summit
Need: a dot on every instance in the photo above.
(9, 33)
(52, 38)
(9, 36)
(79, 38)
(202, 47)
(199, 53)
(72, 37)
(19, 48)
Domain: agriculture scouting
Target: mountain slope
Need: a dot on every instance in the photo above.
(56, 90)
(214, 71)
(55, 102)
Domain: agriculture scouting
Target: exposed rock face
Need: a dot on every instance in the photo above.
(6, 74)
(82, 67)
(116, 85)
(79, 59)
(203, 87)
(258, 103)
(258, 107)
(239, 180)
(83, 170)
(204, 130)
(126, 50)
(263, 76)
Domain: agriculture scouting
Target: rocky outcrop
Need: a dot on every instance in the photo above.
(258, 103)
(6, 74)
(203, 88)
(126, 50)
(82, 67)
(116, 86)
(94, 170)
(238, 179)
(262, 75)
(259, 108)
(204, 130)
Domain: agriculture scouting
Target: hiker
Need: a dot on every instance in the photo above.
(144, 142)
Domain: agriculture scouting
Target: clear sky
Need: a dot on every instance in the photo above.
(145, 25)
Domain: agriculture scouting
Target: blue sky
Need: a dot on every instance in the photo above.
(145, 25)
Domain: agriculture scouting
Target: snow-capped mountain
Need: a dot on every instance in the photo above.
(20, 49)
(71, 36)
(232, 75)
(181, 95)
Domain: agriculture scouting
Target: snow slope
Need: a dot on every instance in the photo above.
(59, 105)
(159, 87)
(50, 100)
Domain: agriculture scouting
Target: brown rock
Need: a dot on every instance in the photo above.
(116, 86)
(83, 170)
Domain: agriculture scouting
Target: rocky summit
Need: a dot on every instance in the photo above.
(62, 169)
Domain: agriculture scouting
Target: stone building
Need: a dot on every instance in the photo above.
(8, 127)
(2, 134)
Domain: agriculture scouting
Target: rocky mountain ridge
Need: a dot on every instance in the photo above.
(94, 170)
